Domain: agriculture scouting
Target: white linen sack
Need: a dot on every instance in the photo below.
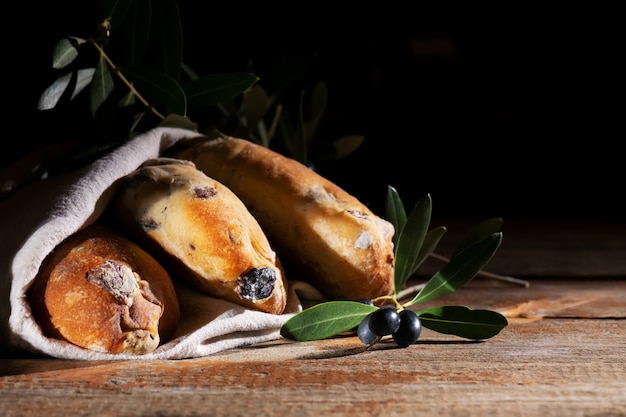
(38, 217)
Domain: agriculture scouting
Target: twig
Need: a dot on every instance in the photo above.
(121, 76)
(410, 291)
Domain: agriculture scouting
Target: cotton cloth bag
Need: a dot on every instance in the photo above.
(37, 218)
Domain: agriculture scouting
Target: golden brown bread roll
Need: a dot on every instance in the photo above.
(317, 228)
(102, 292)
(202, 232)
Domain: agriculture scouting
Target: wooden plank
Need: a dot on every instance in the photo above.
(562, 354)
(547, 249)
(545, 367)
(544, 298)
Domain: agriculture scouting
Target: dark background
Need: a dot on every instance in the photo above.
(499, 111)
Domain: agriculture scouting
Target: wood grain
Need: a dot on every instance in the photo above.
(547, 249)
(561, 355)
(548, 367)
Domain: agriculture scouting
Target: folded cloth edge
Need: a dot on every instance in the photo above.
(84, 195)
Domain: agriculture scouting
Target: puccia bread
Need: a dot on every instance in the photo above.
(202, 232)
(317, 228)
(102, 292)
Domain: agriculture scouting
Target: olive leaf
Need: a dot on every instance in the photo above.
(460, 270)
(101, 85)
(431, 240)
(131, 22)
(345, 145)
(254, 106)
(298, 143)
(84, 77)
(214, 89)
(306, 128)
(420, 216)
(158, 87)
(482, 230)
(76, 81)
(463, 321)
(325, 320)
(65, 51)
(395, 211)
(286, 72)
(318, 105)
(408, 251)
(167, 32)
(140, 36)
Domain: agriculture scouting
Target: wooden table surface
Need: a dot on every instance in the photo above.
(561, 355)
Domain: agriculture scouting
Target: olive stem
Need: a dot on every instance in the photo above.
(409, 291)
(121, 76)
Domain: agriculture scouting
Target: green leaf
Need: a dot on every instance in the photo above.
(395, 212)
(306, 129)
(158, 87)
(182, 122)
(128, 100)
(345, 145)
(51, 95)
(325, 320)
(431, 240)
(462, 321)
(101, 86)
(65, 52)
(299, 147)
(286, 72)
(409, 243)
(84, 77)
(167, 34)
(254, 106)
(133, 32)
(482, 230)
(460, 270)
(319, 99)
(214, 89)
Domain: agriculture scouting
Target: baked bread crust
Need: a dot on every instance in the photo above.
(202, 232)
(102, 292)
(319, 230)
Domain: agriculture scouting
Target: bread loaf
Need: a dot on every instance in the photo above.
(102, 292)
(202, 232)
(318, 229)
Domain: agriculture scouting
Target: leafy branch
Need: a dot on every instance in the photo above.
(162, 84)
(205, 91)
(413, 244)
(131, 88)
(121, 76)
